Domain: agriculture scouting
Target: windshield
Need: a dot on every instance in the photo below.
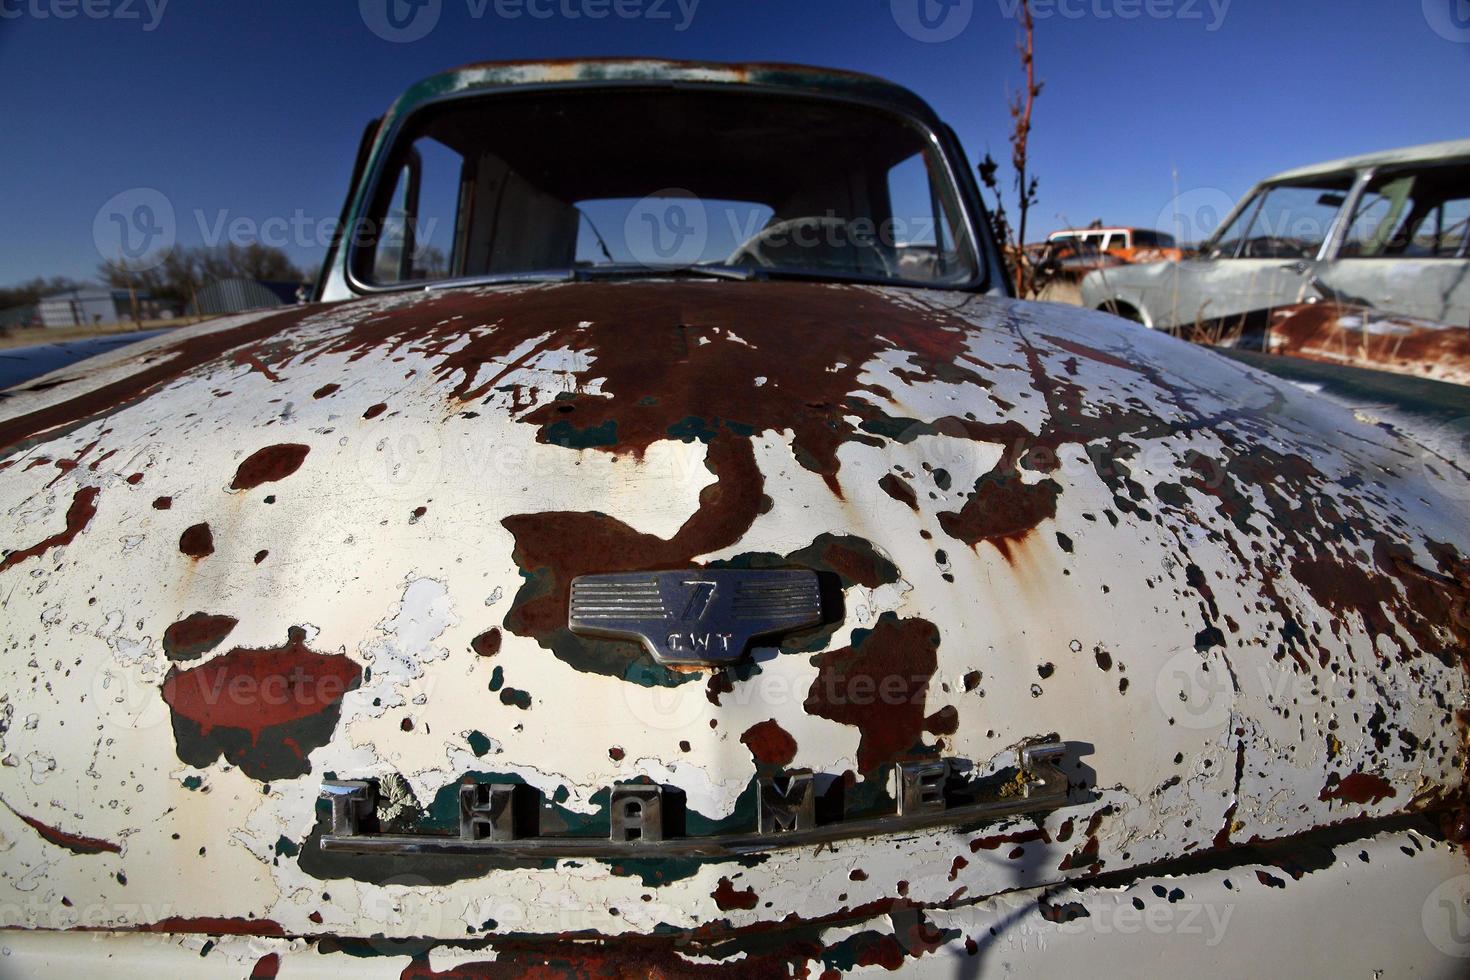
(623, 182)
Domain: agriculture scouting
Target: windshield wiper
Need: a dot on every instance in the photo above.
(498, 278)
(634, 271)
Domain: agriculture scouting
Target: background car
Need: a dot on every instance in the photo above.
(1389, 231)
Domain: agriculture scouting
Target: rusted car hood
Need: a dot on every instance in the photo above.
(337, 542)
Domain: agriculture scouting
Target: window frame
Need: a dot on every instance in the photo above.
(1366, 178)
(986, 273)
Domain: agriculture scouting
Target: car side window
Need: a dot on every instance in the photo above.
(1293, 221)
(1416, 214)
(1228, 239)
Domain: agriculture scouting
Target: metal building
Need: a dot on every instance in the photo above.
(87, 305)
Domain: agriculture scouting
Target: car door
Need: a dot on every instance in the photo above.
(1265, 257)
(1407, 248)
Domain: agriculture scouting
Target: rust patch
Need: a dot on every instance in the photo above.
(262, 710)
(487, 644)
(855, 560)
(1369, 338)
(193, 636)
(769, 743)
(810, 343)
(553, 548)
(214, 926)
(197, 541)
(83, 508)
(1002, 510)
(899, 490)
(269, 465)
(1020, 837)
(727, 898)
(1362, 788)
(75, 843)
(880, 684)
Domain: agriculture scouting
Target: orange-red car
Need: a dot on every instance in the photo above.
(1129, 244)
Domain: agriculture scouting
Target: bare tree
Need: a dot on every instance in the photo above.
(1021, 105)
(184, 271)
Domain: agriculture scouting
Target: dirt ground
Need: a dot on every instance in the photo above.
(1062, 291)
(31, 336)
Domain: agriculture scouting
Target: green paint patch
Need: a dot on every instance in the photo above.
(479, 743)
(567, 435)
(692, 428)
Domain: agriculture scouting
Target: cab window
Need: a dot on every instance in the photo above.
(1412, 214)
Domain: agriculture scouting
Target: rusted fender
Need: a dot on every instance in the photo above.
(1372, 339)
(335, 542)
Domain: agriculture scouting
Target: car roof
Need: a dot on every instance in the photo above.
(1425, 153)
(492, 75)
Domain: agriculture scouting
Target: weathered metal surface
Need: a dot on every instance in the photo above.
(337, 542)
(1385, 905)
(1367, 338)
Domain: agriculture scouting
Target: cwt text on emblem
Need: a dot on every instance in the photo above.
(699, 617)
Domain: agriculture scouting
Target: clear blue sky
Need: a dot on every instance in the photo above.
(253, 110)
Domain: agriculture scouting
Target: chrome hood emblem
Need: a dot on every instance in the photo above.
(699, 617)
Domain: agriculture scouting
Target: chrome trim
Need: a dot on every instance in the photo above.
(788, 817)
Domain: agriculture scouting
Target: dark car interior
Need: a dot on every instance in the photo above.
(545, 181)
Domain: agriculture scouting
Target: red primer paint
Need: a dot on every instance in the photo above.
(727, 898)
(193, 636)
(269, 465)
(487, 644)
(75, 843)
(197, 541)
(1362, 788)
(879, 684)
(769, 743)
(257, 689)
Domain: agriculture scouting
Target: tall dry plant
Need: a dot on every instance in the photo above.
(1022, 103)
